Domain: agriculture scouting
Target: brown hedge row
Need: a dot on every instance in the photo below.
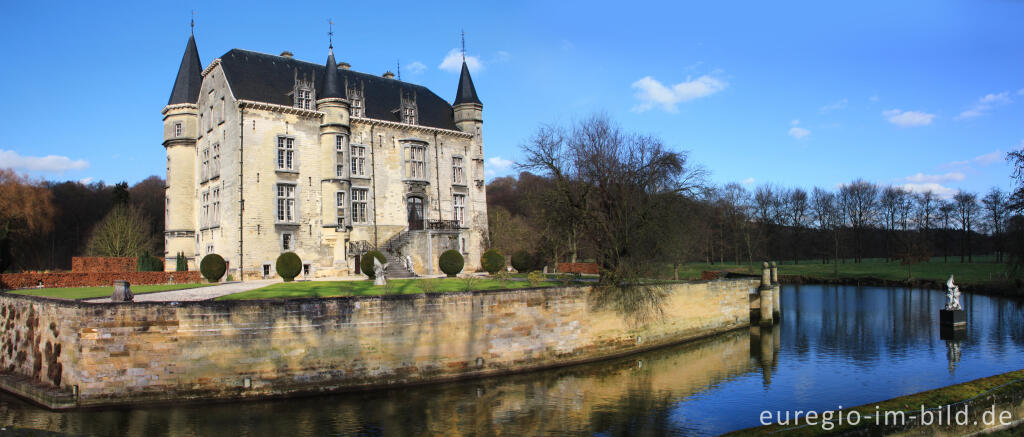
(75, 279)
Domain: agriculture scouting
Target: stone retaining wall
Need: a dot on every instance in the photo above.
(105, 354)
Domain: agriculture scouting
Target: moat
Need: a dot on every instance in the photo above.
(835, 345)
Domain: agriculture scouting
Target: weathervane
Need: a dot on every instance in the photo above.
(398, 68)
(330, 34)
(463, 45)
(192, 23)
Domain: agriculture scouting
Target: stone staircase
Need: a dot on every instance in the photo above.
(392, 250)
(396, 267)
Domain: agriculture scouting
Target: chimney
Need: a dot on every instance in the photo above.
(389, 75)
(344, 66)
(286, 54)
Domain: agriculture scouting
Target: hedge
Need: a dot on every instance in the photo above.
(492, 261)
(451, 262)
(288, 266)
(366, 262)
(213, 267)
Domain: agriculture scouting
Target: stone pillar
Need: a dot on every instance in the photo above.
(765, 290)
(776, 292)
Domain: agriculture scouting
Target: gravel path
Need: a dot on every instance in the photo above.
(200, 293)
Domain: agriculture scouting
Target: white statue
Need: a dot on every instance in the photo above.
(378, 272)
(408, 262)
(952, 295)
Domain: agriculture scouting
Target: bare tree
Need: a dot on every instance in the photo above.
(124, 232)
(859, 200)
(966, 210)
(617, 183)
(827, 214)
(995, 204)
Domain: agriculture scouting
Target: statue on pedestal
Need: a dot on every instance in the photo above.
(378, 272)
(952, 295)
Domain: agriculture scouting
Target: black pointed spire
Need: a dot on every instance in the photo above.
(190, 76)
(466, 92)
(331, 86)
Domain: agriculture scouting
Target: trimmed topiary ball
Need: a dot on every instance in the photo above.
(523, 261)
(288, 266)
(212, 267)
(366, 262)
(451, 262)
(492, 261)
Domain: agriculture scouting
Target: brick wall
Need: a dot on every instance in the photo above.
(98, 264)
(10, 281)
(137, 352)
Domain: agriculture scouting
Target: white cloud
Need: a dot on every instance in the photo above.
(908, 118)
(939, 190)
(44, 164)
(85, 181)
(652, 93)
(747, 181)
(417, 67)
(798, 132)
(833, 106)
(453, 62)
(935, 178)
(989, 158)
(985, 104)
(496, 165)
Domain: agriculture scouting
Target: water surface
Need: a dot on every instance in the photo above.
(836, 345)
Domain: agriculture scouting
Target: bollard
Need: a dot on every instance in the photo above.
(767, 305)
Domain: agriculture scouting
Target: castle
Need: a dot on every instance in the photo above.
(269, 154)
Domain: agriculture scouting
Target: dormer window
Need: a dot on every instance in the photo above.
(407, 111)
(356, 105)
(304, 99)
(304, 93)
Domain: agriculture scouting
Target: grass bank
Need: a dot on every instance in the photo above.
(100, 291)
(981, 276)
(1006, 391)
(310, 289)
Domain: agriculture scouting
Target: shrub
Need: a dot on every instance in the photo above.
(212, 267)
(523, 261)
(535, 278)
(146, 263)
(288, 266)
(366, 262)
(451, 262)
(492, 261)
(181, 263)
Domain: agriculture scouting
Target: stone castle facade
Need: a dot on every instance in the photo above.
(268, 154)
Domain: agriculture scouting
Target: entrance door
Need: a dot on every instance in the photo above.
(415, 213)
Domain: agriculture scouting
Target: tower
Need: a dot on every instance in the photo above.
(469, 113)
(181, 128)
(334, 135)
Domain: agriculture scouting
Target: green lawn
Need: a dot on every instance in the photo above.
(304, 289)
(983, 269)
(102, 291)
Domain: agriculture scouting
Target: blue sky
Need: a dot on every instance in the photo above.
(921, 94)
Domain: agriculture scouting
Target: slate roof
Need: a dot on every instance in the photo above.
(332, 87)
(466, 92)
(267, 78)
(190, 76)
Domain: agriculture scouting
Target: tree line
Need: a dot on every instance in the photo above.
(592, 191)
(44, 223)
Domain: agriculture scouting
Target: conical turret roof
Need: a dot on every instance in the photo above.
(331, 86)
(466, 92)
(190, 76)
